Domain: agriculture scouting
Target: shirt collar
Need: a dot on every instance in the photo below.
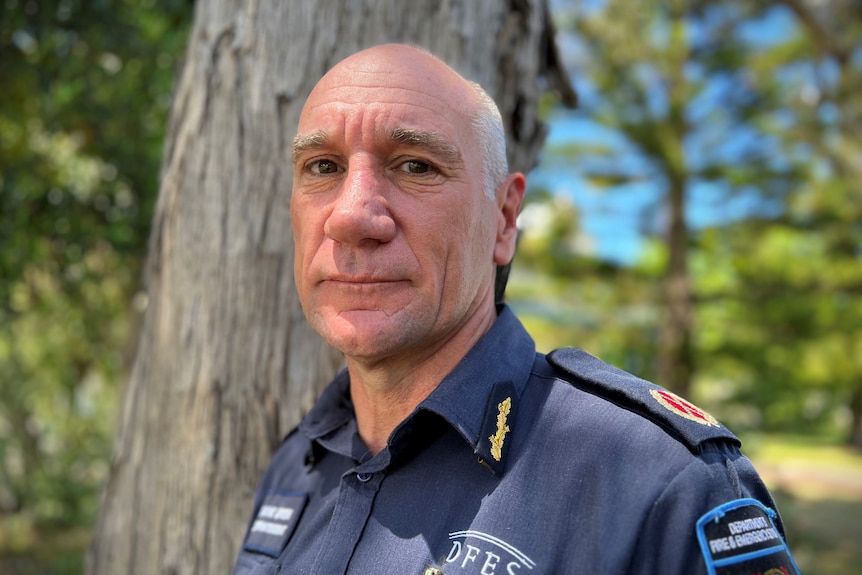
(331, 421)
(470, 397)
(478, 398)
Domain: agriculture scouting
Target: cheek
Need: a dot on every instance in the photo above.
(481, 233)
(303, 225)
(468, 236)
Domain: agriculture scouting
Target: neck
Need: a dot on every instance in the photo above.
(386, 391)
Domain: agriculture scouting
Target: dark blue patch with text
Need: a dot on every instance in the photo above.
(740, 538)
(274, 522)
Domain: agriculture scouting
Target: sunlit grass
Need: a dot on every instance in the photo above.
(782, 448)
(818, 489)
(809, 468)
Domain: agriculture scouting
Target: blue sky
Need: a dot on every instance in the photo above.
(615, 219)
(610, 219)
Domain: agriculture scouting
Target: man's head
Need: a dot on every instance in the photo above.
(402, 205)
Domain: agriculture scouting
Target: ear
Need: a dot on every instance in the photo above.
(510, 195)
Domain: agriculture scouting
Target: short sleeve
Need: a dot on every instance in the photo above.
(669, 542)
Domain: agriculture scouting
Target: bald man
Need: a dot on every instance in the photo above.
(448, 445)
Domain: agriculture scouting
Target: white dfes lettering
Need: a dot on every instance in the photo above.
(491, 561)
(464, 553)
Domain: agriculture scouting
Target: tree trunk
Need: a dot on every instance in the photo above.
(676, 349)
(226, 364)
(855, 436)
(676, 338)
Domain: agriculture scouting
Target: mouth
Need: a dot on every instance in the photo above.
(364, 293)
(361, 280)
(363, 285)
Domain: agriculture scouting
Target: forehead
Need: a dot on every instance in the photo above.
(375, 94)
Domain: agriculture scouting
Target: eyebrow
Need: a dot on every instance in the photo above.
(430, 141)
(313, 141)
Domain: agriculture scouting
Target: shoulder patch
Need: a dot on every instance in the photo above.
(740, 538)
(680, 418)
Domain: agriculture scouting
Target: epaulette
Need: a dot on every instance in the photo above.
(678, 417)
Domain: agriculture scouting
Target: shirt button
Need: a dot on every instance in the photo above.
(364, 477)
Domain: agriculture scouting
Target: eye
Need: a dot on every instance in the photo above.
(323, 167)
(416, 167)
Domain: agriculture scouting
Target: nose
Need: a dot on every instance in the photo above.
(361, 212)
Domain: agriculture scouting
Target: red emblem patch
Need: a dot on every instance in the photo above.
(683, 408)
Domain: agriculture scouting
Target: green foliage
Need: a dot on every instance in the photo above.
(704, 93)
(86, 89)
(567, 297)
(792, 282)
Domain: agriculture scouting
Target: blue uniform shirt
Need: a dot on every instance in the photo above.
(517, 463)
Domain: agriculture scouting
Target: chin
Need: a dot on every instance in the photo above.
(361, 340)
(364, 351)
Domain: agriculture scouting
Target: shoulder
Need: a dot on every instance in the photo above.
(685, 422)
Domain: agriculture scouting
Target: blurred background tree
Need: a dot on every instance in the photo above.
(801, 272)
(727, 134)
(733, 127)
(83, 108)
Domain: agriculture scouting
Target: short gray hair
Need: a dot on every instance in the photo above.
(491, 136)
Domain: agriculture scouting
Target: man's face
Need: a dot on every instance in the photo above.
(395, 237)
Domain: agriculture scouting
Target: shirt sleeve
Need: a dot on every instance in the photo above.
(669, 543)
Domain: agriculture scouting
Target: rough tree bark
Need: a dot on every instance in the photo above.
(226, 364)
